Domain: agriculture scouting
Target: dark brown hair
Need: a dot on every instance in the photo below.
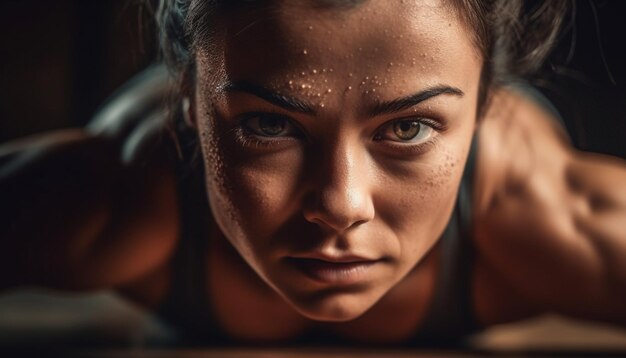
(513, 36)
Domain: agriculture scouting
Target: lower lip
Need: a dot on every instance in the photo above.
(339, 273)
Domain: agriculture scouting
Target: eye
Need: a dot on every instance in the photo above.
(410, 130)
(269, 125)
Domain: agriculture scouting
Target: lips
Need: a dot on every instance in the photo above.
(338, 271)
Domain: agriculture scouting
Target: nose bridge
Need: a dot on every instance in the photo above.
(341, 192)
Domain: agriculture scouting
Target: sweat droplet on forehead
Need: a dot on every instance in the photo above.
(389, 58)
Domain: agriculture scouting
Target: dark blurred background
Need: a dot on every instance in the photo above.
(60, 59)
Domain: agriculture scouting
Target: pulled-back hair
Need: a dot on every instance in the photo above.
(514, 37)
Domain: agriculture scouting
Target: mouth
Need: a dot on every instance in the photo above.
(336, 271)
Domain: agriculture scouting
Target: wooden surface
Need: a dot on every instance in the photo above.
(331, 353)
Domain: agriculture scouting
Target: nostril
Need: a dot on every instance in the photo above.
(357, 223)
(334, 222)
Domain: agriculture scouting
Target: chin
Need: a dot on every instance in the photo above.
(337, 307)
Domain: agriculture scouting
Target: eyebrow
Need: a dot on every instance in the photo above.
(403, 103)
(286, 102)
(296, 105)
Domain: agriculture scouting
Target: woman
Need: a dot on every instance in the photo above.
(371, 177)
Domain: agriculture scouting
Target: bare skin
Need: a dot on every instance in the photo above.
(537, 201)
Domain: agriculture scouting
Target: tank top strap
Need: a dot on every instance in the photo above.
(451, 317)
(187, 305)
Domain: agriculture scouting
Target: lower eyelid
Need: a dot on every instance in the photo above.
(412, 149)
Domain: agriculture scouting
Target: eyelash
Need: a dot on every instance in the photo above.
(406, 147)
(247, 138)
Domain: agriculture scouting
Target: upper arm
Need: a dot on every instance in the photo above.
(599, 183)
(551, 219)
(77, 217)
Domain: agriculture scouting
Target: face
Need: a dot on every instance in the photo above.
(334, 142)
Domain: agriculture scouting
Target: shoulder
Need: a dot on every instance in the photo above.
(522, 154)
(539, 204)
(520, 143)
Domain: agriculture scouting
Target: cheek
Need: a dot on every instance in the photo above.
(418, 204)
(267, 189)
(251, 194)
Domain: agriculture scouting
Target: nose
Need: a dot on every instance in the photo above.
(341, 197)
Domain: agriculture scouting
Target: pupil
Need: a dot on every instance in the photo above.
(272, 125)
(406, 129)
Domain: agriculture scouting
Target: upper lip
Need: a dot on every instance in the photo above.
(333, 259)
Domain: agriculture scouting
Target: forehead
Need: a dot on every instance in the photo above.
(377, 38)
